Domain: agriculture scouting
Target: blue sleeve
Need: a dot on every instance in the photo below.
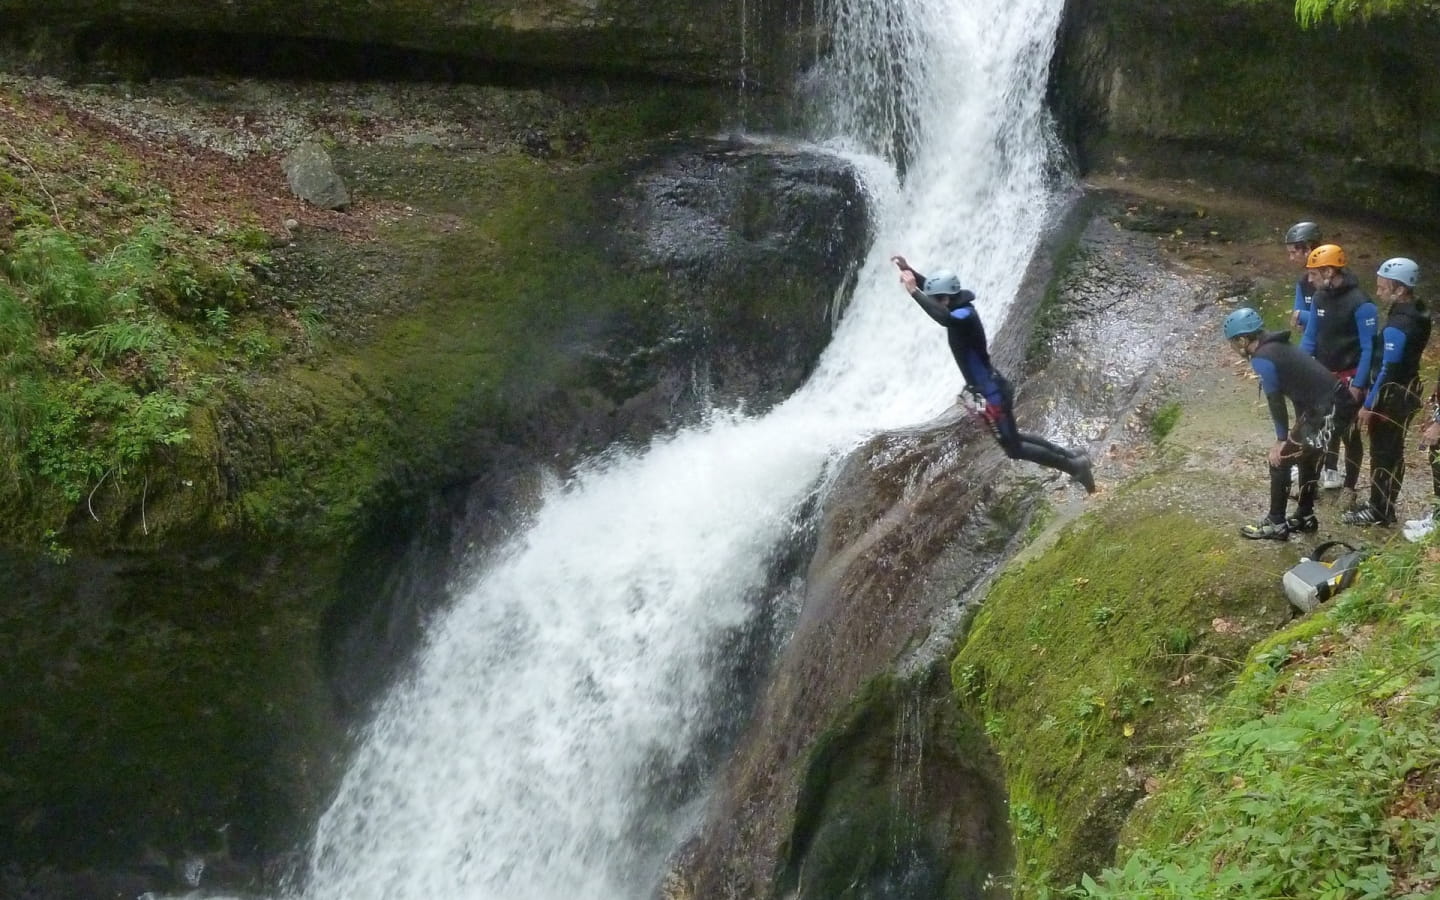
(1310, 339)
(1365, 320)
(1270, 384)
(1300, 304)
(1394, 352)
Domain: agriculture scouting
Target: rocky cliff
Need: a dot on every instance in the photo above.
(699, 40)
(1339, 118)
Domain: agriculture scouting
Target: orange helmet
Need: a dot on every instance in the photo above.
(1326, 255)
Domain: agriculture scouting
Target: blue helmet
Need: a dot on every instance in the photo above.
(942, 282)
(1243, 321)
(1400, 269)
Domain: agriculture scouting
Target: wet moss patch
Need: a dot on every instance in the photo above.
(1088, 661)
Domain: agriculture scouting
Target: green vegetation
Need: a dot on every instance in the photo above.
(1320, 774)
(115, 320)
(1312, 13)
(1164, 419)
(854, 833)
(1085, 665)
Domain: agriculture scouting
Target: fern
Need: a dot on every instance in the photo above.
(113, 340)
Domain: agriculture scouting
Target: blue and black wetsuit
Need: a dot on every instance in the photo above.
(1323, 405)
(1304, 300)
(1341, 334)
(966, 335)
(1395, 398)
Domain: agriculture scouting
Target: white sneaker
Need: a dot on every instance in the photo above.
(1330, 479)
(1415, 530)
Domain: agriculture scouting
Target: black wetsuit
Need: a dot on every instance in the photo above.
(968, 345)
(1323, 405)
(1341, 334)
(1395, 398)
(1435, 448)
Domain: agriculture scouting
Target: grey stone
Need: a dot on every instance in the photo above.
(312, 177)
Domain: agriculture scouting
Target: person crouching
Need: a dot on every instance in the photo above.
(1323, 404)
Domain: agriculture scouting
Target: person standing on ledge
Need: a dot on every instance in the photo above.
(1394, 396)
(1299, 241)
(943, 300)
(1341, 334)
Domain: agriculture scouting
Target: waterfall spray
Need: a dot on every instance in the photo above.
(520, 761)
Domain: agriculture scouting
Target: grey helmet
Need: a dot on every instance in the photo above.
(1400, 269)
(1243, 321)
(1303, 233)
(942, 282)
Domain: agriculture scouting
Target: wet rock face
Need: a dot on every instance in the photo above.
(914, 523)
(1241, 96)
(698, 40)
(745, 249)
(757, 243)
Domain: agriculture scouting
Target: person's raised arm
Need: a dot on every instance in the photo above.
(909, 279)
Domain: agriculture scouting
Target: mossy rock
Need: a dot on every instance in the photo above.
(899, 798)
(1091, 658)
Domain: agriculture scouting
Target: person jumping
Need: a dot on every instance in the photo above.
(951, 306)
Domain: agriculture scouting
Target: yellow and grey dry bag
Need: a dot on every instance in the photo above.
(1312, 581)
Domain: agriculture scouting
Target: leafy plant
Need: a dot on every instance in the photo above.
(1163, 420)
(1317, 779)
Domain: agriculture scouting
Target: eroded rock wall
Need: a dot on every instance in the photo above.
(1344, 118)
(693, 40)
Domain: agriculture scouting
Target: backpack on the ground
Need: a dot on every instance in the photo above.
(1312, 580)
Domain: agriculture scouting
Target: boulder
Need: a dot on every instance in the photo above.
(312, 177)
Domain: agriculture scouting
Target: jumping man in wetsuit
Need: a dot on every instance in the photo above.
(948, 304)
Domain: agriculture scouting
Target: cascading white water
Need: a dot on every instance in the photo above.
(569, 676)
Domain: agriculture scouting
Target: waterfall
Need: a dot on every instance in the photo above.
(520, 761)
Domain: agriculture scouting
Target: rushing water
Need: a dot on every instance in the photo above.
(571, 676)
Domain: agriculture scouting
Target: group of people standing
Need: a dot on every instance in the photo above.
(1350, 376)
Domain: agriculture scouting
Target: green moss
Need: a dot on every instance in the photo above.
(863, 825)
(153, 715)
(1317, 774)
(505, 308)
(1072, 664)
(1163, 420)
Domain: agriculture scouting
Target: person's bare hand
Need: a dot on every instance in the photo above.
(1276, 454)
(1365, 417)
(907, 278)
(1431, 435)
(899, 261)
